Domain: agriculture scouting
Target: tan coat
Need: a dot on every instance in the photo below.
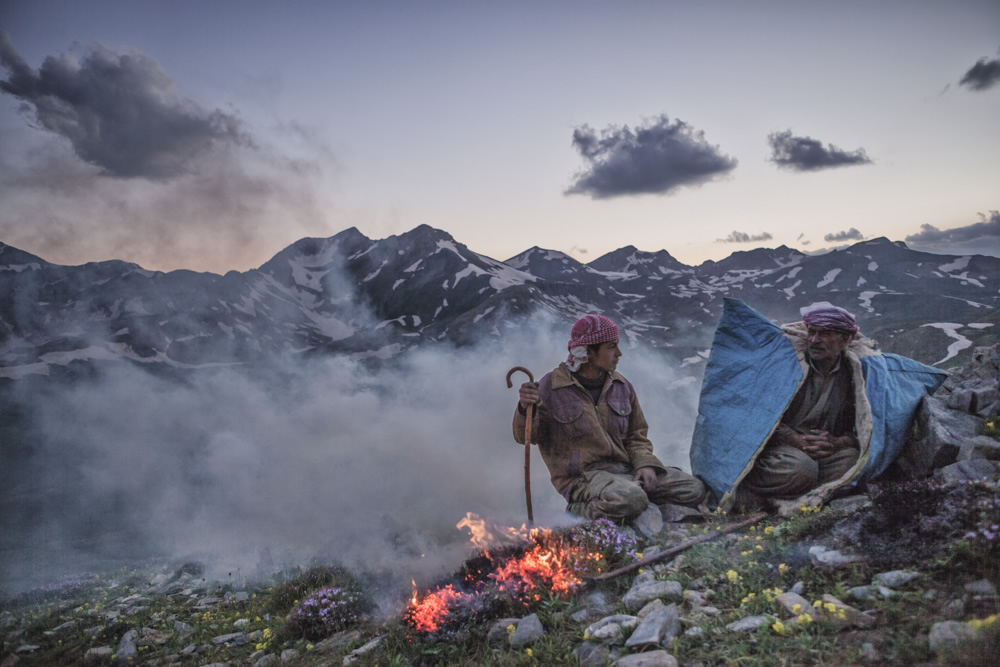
(574, 436)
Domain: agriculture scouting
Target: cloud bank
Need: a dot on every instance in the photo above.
(743, 237)
(151, 176)
(656, 158)
(850, 235)
(983, 75)
(121, 113)
(981, 237)
(807, 154)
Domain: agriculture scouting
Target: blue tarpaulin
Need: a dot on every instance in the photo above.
(753, 372)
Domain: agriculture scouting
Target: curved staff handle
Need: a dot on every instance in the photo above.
(527, 442)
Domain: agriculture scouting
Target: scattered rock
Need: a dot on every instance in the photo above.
(529, 630)
(671, 513)
(649, 523)
(964, 471)
(269, 660)
(748, 624)
(643, 591)
(794, 603)
(948, 635)
(357, 653)
(237, 638)
(589, 654)
(97, 656)
(126, 646)
(954, 609)
(609, 629)
(870, 653)
(850, 503)
(824, 557)
(981, 587)
(289, 655)
(896, 578)
(649, 659)
(661, 625)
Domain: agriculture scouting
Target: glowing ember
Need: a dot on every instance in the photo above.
(426, 614)
(539, 563)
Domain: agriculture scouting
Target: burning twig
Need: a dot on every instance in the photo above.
(684, 546)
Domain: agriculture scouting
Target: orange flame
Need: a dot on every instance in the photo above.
(427, 614)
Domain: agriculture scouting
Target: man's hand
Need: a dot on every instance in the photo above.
(647, 478)
(528, 394)
(817, 444)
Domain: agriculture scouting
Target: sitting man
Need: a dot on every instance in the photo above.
(592, 434)
(815, 442)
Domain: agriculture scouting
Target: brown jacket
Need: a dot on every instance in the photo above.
(575, 436)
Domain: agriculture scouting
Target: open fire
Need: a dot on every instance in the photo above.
(518, 567)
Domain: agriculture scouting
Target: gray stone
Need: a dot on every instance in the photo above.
(589, 654)
(679, 514)
(647, 659)
(847, 615)
(97, 656)
(832, 558)
(498, 632)
(357, 653)
(794, 603)
(694, 631)
(183, 628)
(241, 622)
(954, 609)
(660, 625)
(529, 630)
(798, 587)
(981, 587)
(644, 591)
(695, 599)
(609, 628)
(896, 578)
(748, 624)
(126, 647)
(862, 593)
(870, 653)
(650, 608)
(580, 615)
(949, 635)
(942, 432)
(850, 504)
(597, 603)
(236, 638)
(269, 660)
(980, 447)
(965, 471)
(649, 523)
(289, 655)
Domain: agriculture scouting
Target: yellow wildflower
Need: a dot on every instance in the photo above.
(529, 652)
(796, 608)
(769, 530)
(267, 634)
(817, 604)
(759, 548)
(830, 607)
(782, 568)
(733, 575)
(309, 647)
(779, 627)
(805, 618)
(510, 629)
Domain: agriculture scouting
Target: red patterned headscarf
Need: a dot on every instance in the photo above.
(827, 316)
(589, 330)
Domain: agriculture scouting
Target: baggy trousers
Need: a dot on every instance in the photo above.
(784, 471)
(618, 497)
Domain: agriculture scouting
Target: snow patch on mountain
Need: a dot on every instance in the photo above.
(828, 278)
(951, 330)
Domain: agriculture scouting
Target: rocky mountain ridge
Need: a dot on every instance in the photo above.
(375, 298)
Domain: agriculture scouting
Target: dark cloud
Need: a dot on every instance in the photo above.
(808, 154)
(655, 158)
(981, 237)
(850, 235)
(743, 237)
(983, 75)
(121, 113)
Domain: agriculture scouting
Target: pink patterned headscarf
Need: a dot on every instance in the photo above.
(589, 330)
(827, 316)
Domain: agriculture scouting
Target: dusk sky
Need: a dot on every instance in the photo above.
(210, 135)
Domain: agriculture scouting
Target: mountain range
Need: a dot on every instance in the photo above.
(375, 298)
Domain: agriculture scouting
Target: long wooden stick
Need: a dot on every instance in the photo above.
(684, 546)
(527, 443)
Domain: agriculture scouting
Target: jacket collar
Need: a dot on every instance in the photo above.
(562, 377)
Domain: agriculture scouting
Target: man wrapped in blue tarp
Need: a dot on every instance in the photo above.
(791, 414)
